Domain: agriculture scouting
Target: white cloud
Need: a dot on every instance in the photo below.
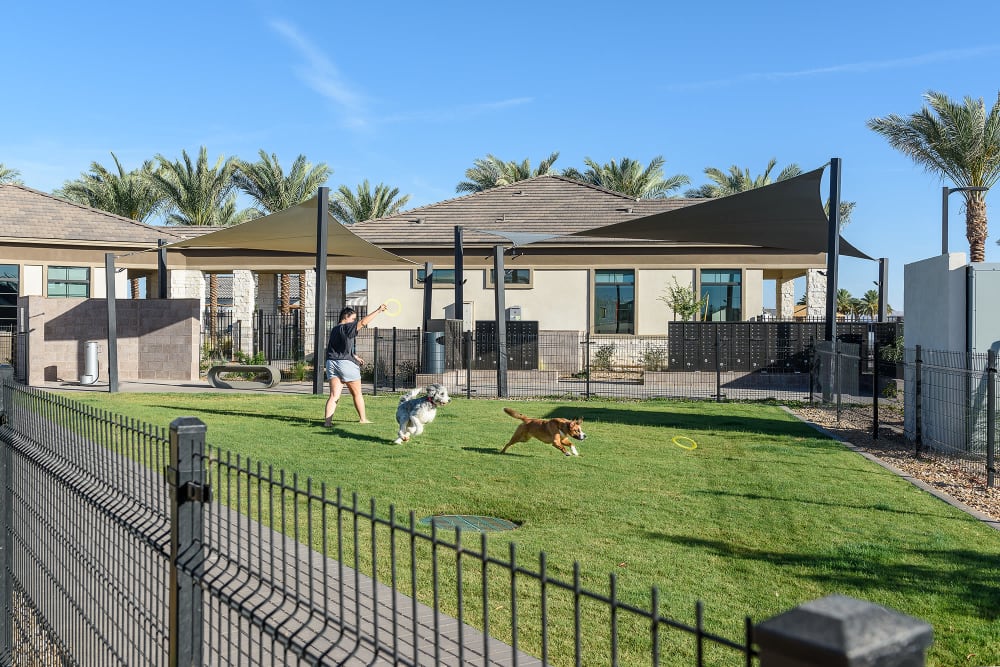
(859, 67)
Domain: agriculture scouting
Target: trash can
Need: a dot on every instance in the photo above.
(433, 352)
(90, 367)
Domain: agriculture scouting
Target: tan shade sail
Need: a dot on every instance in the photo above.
(291, 230)
(788, 214)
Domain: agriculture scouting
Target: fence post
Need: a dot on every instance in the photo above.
(917, 372)
(718, 364)
(843, 631)
(6, 520)
(186, 476)
(394, 341)
(991, 415)
(375, 362)
(467, 356)
(586, 363)
(875, 392)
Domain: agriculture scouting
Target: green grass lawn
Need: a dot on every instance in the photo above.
(763, 514)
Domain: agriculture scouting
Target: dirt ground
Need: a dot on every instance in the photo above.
(893, 449)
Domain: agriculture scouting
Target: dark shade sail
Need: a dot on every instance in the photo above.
(788, 215)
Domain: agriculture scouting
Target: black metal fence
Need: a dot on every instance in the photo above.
(130, 544)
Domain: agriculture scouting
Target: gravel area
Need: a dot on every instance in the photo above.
(893, 449)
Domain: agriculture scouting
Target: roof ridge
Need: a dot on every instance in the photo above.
(91, 209)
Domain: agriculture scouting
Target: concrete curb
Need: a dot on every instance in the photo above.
(989, 521)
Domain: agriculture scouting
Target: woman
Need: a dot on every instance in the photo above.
(343, 367)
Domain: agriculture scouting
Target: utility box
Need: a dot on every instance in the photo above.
(468, 314)
(513, 313)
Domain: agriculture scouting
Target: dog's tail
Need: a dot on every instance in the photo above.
(413, 393)
(515, 414)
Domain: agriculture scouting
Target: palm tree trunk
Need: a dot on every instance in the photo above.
(286, 293)
(135, 288)
(975, 227)
(213, 298)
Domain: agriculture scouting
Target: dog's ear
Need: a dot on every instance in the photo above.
(579, 420)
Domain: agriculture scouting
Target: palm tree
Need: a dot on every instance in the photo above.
(266, 183)
(958, 142)
(197, 194)
(629, 177)
(869, 303)
(9, 175)
(491, 171)
(845, 302)
(130, 194)
(349, 207)
(739, 180)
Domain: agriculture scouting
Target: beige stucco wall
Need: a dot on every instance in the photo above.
(753, 293)
(157, 339)
(652, 315)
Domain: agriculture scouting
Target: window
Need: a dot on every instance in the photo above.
(9, 283)
(511, 277)
(723, 289)
(442, 277)
(614, 302)
(69, 281)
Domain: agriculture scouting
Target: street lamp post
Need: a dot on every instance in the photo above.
(945, 191)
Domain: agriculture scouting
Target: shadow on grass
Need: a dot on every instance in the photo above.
(690, 421)
(866, 566)
(880, 507)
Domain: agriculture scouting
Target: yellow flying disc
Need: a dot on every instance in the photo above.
(393, 311)
(683, 446)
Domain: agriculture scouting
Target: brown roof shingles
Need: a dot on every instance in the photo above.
(541, 205)
(30, 214)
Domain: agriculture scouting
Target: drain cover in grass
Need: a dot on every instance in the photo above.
(480, 524)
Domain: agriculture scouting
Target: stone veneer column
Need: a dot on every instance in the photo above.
(307, 301)
(785, 298)
(187, 284)
(816, 293)
(244, 290)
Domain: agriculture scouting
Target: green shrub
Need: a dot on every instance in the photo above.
(603, 357)
(654, 358)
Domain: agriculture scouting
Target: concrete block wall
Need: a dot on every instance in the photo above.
(157, 339)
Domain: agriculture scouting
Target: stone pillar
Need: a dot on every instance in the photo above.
(816, 293)
(187, 284)
(267, 292)
(840, 630)
(784, 298)
(244, 291)
(307, 300)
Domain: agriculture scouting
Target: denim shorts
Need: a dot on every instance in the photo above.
(345, 369)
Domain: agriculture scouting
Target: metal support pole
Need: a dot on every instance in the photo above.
(186, 476)
(467, 355)
(319, 316)
(883, 289)
(428, 294)
(718, 363)
(109, 274)
(161, 269)
(459, 275)
(501, 317)
(395, 340)
(375, 362)
(833, 250)
(917, 372)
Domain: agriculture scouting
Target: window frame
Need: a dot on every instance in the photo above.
(490, 278)
(66, 282)
(739, 284)
(618, 284)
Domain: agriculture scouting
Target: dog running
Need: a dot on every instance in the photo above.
(414, 413)
(553, 431)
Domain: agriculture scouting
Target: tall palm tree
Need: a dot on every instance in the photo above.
(630, 178)
(366, 203)
(197, 194)
(739, 180)
(130, 194)
(869, 303)
(491, 171)
(266, 183)
(9, 175)
(958, 142)
(845, 302)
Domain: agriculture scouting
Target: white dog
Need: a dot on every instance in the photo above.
(414, 412)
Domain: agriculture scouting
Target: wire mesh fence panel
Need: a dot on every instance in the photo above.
(88, 533)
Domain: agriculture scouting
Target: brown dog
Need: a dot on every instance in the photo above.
(552, 431)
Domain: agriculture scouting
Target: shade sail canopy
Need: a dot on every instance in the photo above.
(291, 230)
(788, 214)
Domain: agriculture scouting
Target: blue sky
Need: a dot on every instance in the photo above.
(409, 94)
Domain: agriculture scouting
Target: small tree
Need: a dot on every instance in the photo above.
(681, 299)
